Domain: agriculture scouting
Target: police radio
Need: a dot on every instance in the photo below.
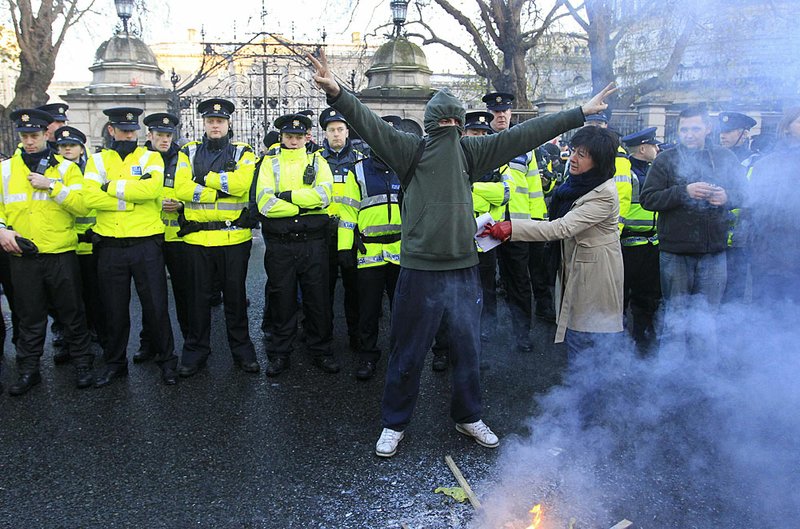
(310, 174)
(43, 164)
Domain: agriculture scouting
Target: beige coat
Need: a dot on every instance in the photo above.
(589, 282)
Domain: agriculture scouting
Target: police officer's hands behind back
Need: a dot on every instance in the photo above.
(323, 76)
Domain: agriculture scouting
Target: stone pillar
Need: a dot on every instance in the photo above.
(654, 115)
(549, 105)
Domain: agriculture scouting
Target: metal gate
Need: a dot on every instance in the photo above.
(261, 93)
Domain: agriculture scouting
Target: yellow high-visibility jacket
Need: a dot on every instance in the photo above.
(622, 179)
(45, 217)
(283, 171)
(130, 206)
(203, 203)
(370, 203)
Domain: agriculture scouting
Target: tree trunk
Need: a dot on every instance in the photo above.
(602, 50)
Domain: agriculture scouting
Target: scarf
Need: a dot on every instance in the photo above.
(574, 188)
(123, 147)
(32, 160)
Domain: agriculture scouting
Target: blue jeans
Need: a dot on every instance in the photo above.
(578, 342)
(692, 287)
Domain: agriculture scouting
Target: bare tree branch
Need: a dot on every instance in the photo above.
(574, 12)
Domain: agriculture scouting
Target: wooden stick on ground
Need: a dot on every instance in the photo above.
(624, 524)
(473, 499)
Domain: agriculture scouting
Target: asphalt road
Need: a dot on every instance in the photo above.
(227, 449)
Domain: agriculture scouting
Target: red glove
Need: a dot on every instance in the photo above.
(499, 230)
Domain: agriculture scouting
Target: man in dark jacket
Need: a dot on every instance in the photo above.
(438, 259)
(692, 187)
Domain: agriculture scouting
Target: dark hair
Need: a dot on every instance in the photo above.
(695, 111)
(601, 144)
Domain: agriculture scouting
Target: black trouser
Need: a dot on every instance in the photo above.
(119, 260)
(8, 290)
(537, 269)
(303, 261)
(373, 281)
(95, 316)
(487, 268)
(642, 288)
(349, 282)
(514, 273)
(43, 281)
(738, 262)
(176, 257)
(423, 300)
(204, 264)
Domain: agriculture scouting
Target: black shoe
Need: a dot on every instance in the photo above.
(248, 367)
(84, 377)
(276, 366)
(328, 364)
(25, 383)
(439, 363)
(216, 300)
(108, 374)
(366, 370)
(142, 355)
(168, 376)
(58, 340)
(61, 357)
(189, 371)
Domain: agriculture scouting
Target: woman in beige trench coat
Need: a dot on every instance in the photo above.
(583, 215)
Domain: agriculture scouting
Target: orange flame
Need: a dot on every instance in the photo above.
(537, 516)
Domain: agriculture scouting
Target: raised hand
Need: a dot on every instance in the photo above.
(323, 76)
(598, 103)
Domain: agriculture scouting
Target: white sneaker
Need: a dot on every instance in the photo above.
(387, 443)
(480, 432)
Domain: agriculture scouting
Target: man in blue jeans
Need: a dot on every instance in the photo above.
(693, 187)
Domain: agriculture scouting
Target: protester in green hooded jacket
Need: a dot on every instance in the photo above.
(438, 258)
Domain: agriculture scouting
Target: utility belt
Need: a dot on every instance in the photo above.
(362, 240)
(191, 226)
(627, 232)
(300, 236)
(101, 241)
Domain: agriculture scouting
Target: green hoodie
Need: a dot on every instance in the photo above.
(438, 226)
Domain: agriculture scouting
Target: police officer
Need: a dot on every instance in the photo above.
(642, 283)
(218, 236)
(514, 258)
(58, 111)
(341, 157)
(124, 183)
(71, 144)
(161, 132)
(41, 197)
(293, 191)
(369, 239)
(734, 133)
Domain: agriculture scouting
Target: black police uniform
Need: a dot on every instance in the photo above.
(341, 163)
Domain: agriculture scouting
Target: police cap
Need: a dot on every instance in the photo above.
(498, 100)
(645, 136)
(601, 117)
(30, 119)
(328, 115)
(216, 108)
(69, 135)
(57, 110)
(729, 121)
(124, 118)
(478, 120)
(162, 122)
(293, 123)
